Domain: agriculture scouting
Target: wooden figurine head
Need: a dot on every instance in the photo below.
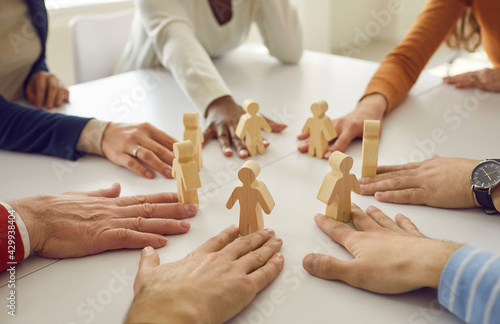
(183, 151)
(191, 120)
(249, 172)
(251, 107)
(341, 162)
(319, 108)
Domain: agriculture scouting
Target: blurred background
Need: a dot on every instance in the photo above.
(365, 29)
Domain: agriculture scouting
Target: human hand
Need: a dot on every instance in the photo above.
(211, 284)
(487, 79)
(389, 257)
(438, 182)
(76, 224)
(119, 142)
(45, 89)
(350, 126)
(223, 115)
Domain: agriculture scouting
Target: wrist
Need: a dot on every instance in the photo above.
(27, 212)
(375, 104)
(434, 262)
(221, 101)
(161, 309)
(495, 196)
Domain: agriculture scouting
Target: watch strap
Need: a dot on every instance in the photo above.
(484, 199)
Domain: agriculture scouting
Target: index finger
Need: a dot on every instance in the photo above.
(219, 241)
(337, 231)
(158, 198)
(162, 138)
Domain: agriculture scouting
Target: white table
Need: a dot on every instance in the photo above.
(98, 289)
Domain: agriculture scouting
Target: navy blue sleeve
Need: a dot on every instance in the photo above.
(32, 130)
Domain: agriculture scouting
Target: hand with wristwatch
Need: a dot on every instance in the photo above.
(438, 182)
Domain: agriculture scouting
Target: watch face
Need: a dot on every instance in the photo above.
(486, 174)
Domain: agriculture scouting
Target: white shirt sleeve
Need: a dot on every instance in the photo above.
(178, 50)
(280, 28)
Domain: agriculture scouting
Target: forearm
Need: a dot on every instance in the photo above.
(470, 285)
(280, 28)
(38, 131)
(402, 66)
(179, 51)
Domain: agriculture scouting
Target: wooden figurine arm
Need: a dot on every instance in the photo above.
(355, 184)
(232, 199)
(307, 128)
(264, 198)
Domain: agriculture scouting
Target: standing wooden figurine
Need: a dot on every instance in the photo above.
(185, 170)
(253, 196)
(336, 188)
(193, 133)
(320, 128)
(371, 136)
(250, 128)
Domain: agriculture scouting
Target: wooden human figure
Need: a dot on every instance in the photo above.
(371, 136)
(193, 133)
(320, 128)
(184, 168)
(336, 188)
(253, 196)
(250, 128)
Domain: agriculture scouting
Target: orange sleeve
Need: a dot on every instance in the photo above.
(402, 66)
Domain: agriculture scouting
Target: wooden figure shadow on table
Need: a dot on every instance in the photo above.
(336, 188)
(371, 137)
(193, 133)
(185, 170)
(253, 196)
(320, 129)
(250, 128)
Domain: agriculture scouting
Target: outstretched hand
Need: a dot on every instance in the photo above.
(487, 79)
(438, 182)
(389, 257)
(76, 224)
(152, 147)
(211, 284)
(223, 115)
(350, 126)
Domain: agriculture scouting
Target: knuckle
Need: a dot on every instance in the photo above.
(395, 182)
(258, 257)
(139, 224)
(148, 208)
(123, 234)
(139, 199)
(130, 164)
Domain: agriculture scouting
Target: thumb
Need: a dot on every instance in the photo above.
(326, 267)
(111, 192)
(149, 259)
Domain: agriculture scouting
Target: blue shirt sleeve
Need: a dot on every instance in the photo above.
(470, 284)
(32, 130)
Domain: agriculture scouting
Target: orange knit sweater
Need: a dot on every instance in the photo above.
(401, 68)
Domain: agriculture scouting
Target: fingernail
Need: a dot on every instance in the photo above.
(148, 249)
(162, 240)
(318, 215)
(362, 180)
(310, 263)
(243, 153)
(265, 142)
(277, 239)
(185, 224)
(228, 150)
(149, 174)
(269, 230)
(168, 173)
(327, 154)
(279, 256)
(193, 208)
(234, 227)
